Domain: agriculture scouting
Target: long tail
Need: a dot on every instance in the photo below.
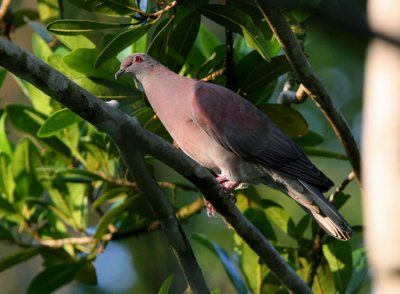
(322, 211)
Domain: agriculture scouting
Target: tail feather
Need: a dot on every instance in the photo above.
(325, 213)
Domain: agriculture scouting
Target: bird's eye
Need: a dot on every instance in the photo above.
(137, 59)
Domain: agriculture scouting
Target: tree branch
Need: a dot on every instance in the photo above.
(120, 126)
(307, 77)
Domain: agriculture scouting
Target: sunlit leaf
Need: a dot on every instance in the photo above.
(338, 255)
(57, 122)
(17, 257)
(231, 268)
(76, 42)
(279, 216)
(76, 27)
(28, 120)
(5, 144)
(111, 194)
(49, 10)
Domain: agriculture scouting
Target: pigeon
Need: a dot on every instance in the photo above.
(231, 137)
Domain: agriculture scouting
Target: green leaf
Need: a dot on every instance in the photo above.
(288, 119)
(87, 275)
(20, 14)
(231, 268)
(159, 42)
(206, 40)
(40, 48)
(5, 145)
(111, 194)
(3, 74)
(338, 255)
(49, 10)
(239, 22)
(120, 42)
(57, 122)
(166, 285)
(302, 226)
(181, 40)
(83, 60)
(76, 27)
(279, 216)
(76, 42)
(18, 256)
(6, 234)
(54, 277)
(38, 98)
(310, 139)
(108, 7)
(360, 271)
(110, 215)
(256, 76)
(102, 88)
(261, 222)
(7, 183)
(23, 167)
(28, 120)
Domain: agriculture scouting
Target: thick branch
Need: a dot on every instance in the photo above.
(310, 81)
(117, 124)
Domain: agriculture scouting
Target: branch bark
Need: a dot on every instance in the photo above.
(119, 126)
(307, 77)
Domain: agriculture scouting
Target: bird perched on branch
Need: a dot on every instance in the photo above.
(228, 135)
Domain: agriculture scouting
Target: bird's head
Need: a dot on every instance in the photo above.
(136, 64)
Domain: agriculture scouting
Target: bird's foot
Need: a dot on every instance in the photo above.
(211, 211)
(227, 186)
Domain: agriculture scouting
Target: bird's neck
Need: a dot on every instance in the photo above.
(169, 94)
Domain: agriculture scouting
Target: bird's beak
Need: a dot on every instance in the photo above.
(119, 73)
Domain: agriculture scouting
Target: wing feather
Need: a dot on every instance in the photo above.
(240, 127)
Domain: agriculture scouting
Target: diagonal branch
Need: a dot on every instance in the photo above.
(310, 81)
(119, 126)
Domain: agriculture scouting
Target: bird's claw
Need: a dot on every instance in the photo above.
(211, 211)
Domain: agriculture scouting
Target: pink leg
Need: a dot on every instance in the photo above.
(228, 186)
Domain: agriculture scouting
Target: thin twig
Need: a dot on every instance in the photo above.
(342, 186)
(310, 81)
(214, 75)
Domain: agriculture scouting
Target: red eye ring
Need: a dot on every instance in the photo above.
(137, 59)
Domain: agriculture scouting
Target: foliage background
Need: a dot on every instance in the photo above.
(142, 264)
